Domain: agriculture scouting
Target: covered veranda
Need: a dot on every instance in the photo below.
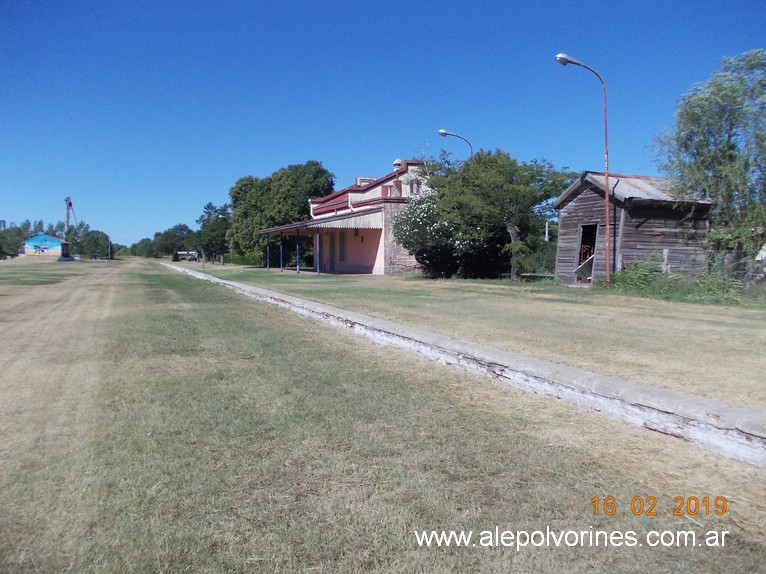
(338, 243)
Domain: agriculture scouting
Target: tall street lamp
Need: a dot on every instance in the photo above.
(445, 133)
(563, 59)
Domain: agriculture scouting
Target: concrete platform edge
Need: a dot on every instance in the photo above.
(736, 433)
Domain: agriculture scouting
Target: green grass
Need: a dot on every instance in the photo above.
(644, 340)
(14, 273)
(232, 436)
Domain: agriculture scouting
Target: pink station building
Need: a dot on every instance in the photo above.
(351, 228)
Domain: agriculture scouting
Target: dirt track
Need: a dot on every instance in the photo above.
(52, 365)
(50, 361)
(43, 390)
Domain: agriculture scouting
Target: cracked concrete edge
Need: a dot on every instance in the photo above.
(734, 432)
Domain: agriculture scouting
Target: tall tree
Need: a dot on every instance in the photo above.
(276, 200)
(26, 228)
(718, 148)
(211, 212)
(248, 198)
(496, 207)
(74, 235)
(173, 239)
(55, 230)
(94, 244)
(144, 248)
(10, 241)
(214, 223)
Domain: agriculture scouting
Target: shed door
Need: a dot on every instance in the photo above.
(588, 235)
(586, 252)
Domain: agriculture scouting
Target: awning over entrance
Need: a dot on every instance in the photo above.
(367, 219)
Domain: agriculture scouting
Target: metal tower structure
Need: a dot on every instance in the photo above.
(69, 208)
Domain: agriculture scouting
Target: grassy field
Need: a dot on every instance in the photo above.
(711, 351)
(150, 422)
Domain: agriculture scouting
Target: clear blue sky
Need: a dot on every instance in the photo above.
(143, 111)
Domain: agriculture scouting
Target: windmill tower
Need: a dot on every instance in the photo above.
(65, 245)
(69, 208)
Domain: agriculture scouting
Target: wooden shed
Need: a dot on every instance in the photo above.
(645, 218)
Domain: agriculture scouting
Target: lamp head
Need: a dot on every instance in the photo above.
(443, 133)
(563, 59)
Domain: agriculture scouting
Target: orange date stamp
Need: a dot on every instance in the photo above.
(648, 506)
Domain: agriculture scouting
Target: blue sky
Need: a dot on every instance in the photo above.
(143, 111)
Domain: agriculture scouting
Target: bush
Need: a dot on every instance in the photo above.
(647, 279)
(255, 259)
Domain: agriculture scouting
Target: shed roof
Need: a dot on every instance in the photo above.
(629, 189)
(42, 238)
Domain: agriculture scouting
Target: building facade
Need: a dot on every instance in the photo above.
(352, 228)
(43, 245)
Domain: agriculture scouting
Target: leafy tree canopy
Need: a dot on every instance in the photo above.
(82, 240)
(94, 244)
(718, 148)
(491, 208)
(211, 212)
(214, 224)
(10, 241)
(176, 238)
(144, 248)
(260, 203)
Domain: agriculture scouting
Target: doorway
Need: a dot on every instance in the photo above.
(587, 252)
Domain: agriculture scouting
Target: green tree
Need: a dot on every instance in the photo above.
(94, 244)
(248, 197)
(260, 203)
(211, 212)
(55, 230)
(74, 235)
(291, 188)
(426, 236)
(120, 250)
(214, 223)
(26, 227)
(144, 248)
(489, 213)
(718, 148)
(11, 239)
(176, 238)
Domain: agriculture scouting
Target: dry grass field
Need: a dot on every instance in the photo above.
(150, 422)
(712, 351)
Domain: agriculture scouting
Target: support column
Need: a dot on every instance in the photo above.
(297, 251)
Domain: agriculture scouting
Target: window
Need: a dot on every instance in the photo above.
(342, 245)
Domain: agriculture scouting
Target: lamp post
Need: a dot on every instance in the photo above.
(445, 133)
(563, 59)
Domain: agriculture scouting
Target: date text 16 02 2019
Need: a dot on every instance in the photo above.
(647, 506)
